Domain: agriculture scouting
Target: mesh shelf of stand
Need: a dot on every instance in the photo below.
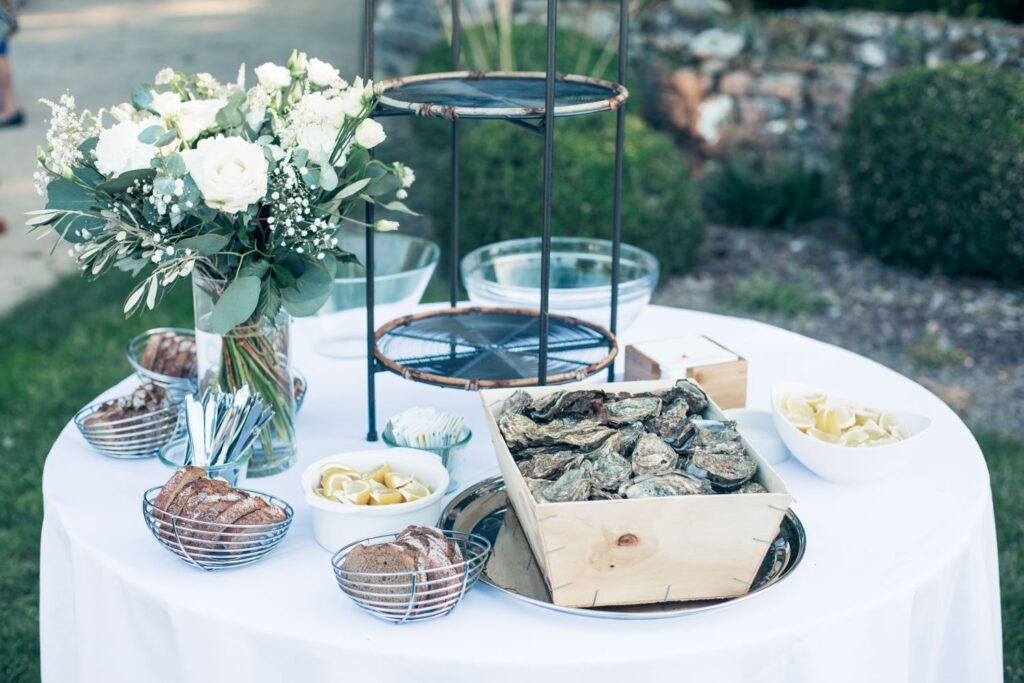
(473, 347)
(497, 95)
(478, 348)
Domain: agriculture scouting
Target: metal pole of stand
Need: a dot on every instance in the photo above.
(549, 162)
(620, 139)
(453, 295)
(371, 363)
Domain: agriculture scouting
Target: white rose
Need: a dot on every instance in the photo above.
(231, 173)
(386, 225)
(166, 104)
(352, 101)
(119, 150)
(197, 116)
(122, 112)
(273, 77)
(369, 134)
(321, 73)
(318, 141)
(319, 108)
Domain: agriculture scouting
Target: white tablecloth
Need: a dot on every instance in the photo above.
(899, 582)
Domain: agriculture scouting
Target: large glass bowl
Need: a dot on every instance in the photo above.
(508, 274)
(403, 267)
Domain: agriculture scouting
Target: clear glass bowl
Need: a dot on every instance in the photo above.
(448, 454)
(508, 274)
(403, 266)
(173, 455)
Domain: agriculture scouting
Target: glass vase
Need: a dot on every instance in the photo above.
(255, 353)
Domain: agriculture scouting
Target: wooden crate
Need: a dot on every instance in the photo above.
(621, 552)
(725, 382)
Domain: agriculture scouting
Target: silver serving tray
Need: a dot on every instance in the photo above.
(483, 509)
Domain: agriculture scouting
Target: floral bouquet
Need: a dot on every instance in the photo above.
(245, 190)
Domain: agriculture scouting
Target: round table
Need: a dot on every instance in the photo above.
(899, 582)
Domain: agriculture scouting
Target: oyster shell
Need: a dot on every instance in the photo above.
(674, 427)
(695, 398)
(653, 455)
(528, 453)
(751, 487)
(632, 409)
(712, 433)
(516, 404)
(550, 465)
(725, 471)
(611, 471)
(665, 484)
(521, 432)
(563, 403)
(572, 486)
(598, 494)
(620, 443)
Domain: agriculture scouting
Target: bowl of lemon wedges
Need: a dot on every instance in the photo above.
(361, 494)
(840, 439)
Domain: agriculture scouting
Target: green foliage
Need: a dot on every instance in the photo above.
(776, 194)
(501, 183)
(930, 351)
(767, 293)
(1011, 10)
(933, 163)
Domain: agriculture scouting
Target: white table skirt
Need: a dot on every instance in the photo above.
(899, 582)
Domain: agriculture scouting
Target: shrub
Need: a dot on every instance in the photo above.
(763, 292)
(1011, 10)
(502, 185)
(773, 194)
(933, 163)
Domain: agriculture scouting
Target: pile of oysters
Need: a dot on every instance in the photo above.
(594, 445)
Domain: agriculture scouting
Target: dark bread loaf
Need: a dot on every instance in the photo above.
(178, 481)
(170, 354)
(419, 553)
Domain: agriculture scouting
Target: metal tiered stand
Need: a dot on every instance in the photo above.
(475, 348)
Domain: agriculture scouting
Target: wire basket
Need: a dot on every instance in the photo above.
(402, 597)
(141, 436)
(177, 387)
(211, 545)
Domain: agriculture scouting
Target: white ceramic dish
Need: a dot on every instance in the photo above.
(759, 429)
(843, 464)
(336, 524)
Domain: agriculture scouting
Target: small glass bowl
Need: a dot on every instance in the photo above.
(173, 455)
(177, 387)
(447, 454)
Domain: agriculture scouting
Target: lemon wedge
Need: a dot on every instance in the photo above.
(334, 470)
(846, 417)
(822, 436)
(378, 474)
(814, 398)
(386, 497)
(800, 413)
(336, 481)
(355, 491)
(855, 436)
(827, 420)
(396, 480)
(414, 491)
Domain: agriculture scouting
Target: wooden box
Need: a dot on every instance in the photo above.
(644, 550)
(722, 373)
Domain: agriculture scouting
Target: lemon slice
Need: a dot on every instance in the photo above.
(396, 480)
(799, 413)
(827, 420)
(873, 429)
(846, 417)
(378, 474)
(814, 398)
(386, 497)
(865, 415)
(822, 436)
(337, 480)
(334, 470)
(324, 494)
(414, 491)
(355, 491)
(854, 436)
(374, 484)
(881, 441)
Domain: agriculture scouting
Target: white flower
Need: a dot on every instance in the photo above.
(165, 76)
(369, 134)
(318, 141)
(272, 76)
(197, 116)
(256, 102)
(385, 225)
(407, 176)
(119, 150)
(231, 173)
(166, 104)
(298, 62)
(316, 108)
(352, 101)
(122, 112)
(321, 73)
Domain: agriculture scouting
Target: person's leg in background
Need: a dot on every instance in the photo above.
(10, 115)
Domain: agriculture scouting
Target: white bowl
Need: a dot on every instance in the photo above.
(844, 464)
(336, 524)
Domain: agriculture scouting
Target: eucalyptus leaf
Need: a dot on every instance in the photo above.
(399, 207)
(206, 245)
(69, 225)
(175, 165)
(255, 268)
(236, 304)
(87, 175)
(142, 96)
(167, 138)
(67, 195)
(151, 134)
(385, 184)
(312, 286)
(125, 180)
(352, 189)
(328, 177)
(88, 145)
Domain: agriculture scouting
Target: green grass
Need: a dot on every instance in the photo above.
(768, 293)
(65, 346)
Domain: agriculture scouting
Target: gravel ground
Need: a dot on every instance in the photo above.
(963, 339)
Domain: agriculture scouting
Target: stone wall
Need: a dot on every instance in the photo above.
(773, 83)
